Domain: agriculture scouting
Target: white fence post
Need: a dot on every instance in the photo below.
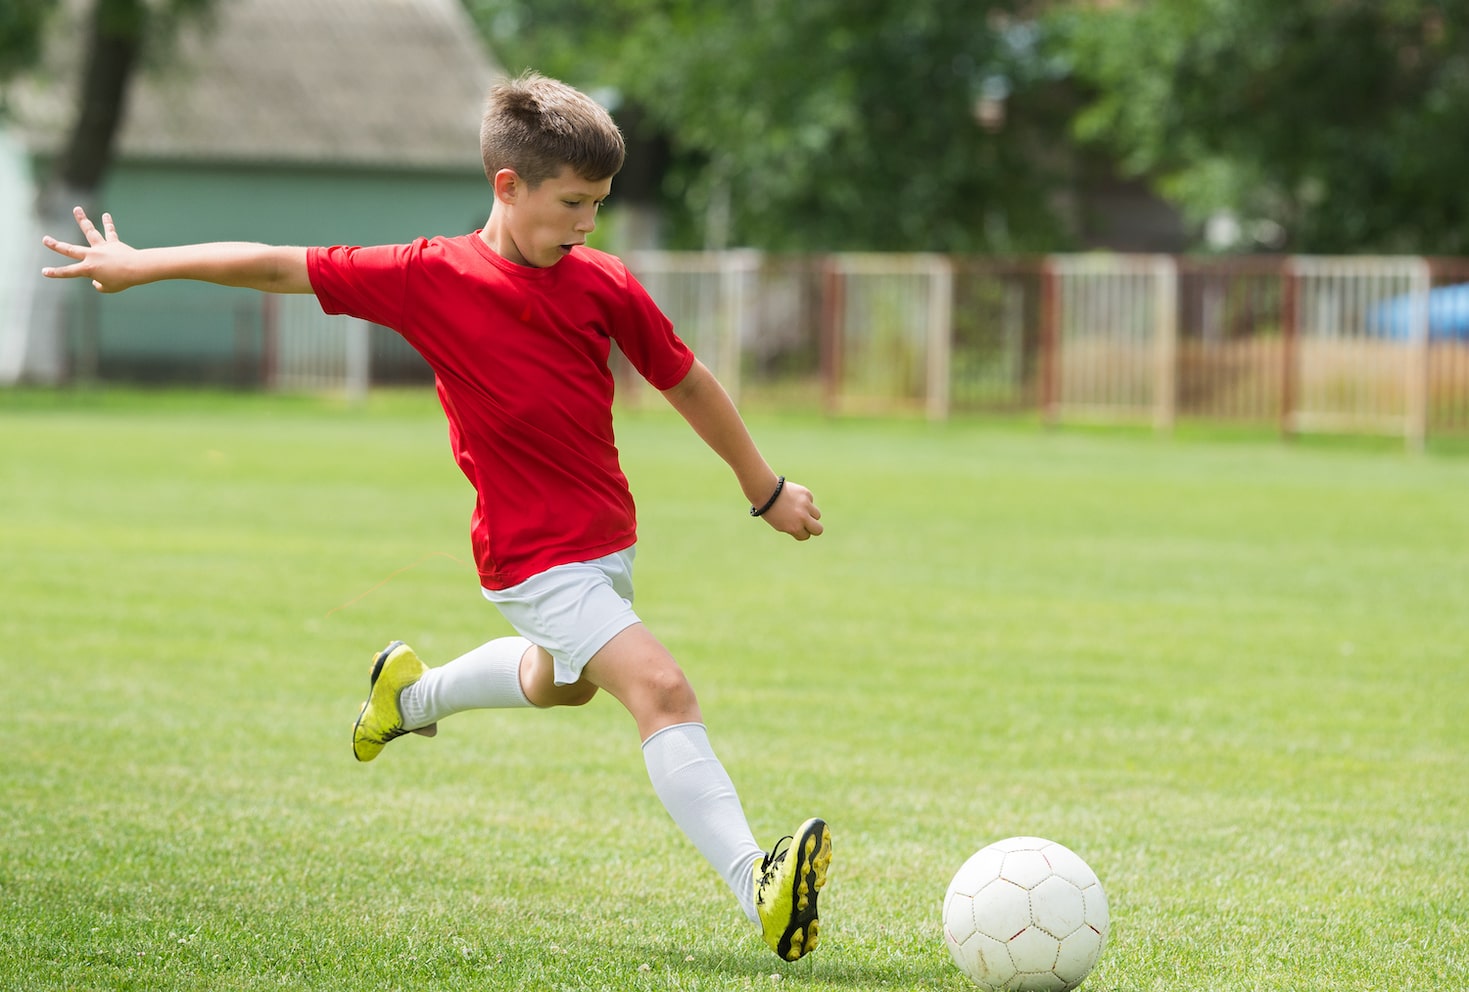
(1415, 427)
(1117, 336)
(358, 347)
(940, 336)
(1165, 329)
(896, 328)
(708, 297)
(317, 351)
(1363, 344)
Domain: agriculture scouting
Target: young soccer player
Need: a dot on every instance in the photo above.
(517, 321)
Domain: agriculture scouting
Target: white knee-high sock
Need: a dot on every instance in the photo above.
(486, 678)
(698, 794)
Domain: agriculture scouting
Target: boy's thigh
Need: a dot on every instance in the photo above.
(572, 611)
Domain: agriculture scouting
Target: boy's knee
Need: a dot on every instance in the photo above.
(668, 689)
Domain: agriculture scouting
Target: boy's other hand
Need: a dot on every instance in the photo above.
(104, 258)
(795, 513)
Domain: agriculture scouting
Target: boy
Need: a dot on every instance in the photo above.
(517, 321)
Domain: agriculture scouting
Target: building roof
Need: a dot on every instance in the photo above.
(396, 84)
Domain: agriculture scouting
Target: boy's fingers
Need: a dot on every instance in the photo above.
(89, 230)
(109, 227)
(62, 247)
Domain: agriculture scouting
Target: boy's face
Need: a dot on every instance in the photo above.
(540, 225)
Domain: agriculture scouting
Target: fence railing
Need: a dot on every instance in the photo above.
(1352, 344)
(1312, 344)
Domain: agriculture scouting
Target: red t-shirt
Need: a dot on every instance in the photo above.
(520, 358)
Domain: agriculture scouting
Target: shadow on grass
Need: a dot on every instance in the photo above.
(824, 968)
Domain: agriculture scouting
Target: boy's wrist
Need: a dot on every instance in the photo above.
(759, 511)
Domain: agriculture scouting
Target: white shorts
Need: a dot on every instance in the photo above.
(572, 610)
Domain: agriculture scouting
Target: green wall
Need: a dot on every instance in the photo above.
(208, 333)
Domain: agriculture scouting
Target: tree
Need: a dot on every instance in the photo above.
(824, 124)
(117, 34)
(21, 23)
(1320, 125)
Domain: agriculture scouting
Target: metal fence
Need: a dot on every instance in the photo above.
(1112, 337)
(1310, 344)
(1348, 344)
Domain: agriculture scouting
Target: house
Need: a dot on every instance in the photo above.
(284, 121)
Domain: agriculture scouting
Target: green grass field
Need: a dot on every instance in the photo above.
(1230, 674)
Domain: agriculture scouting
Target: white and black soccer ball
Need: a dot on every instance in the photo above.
(1025, 915)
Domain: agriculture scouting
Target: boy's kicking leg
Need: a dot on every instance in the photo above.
(408, 696)
(777, 891)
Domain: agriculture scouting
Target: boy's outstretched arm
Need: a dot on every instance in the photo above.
(703, 402)
(114, 266)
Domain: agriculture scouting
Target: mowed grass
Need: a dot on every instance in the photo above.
(1231, 675)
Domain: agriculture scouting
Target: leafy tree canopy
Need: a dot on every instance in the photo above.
(826, 123)
(21, 22)
(1317, 125)
(1322, 125)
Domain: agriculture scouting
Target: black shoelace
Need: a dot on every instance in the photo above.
(777, 854)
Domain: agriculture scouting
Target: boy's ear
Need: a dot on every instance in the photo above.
(507, 185)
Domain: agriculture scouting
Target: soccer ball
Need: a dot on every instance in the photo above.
(1025, 915)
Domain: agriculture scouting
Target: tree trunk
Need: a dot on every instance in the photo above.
(113, 43)
(37, 349)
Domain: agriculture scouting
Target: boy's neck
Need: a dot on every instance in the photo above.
(498, 239)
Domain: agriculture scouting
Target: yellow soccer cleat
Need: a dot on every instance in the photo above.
(786, 884)
(394, 669)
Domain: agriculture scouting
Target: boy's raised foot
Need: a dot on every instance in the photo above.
(394, 669)
(787, 881)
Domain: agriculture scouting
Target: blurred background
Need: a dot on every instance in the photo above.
(1135, 209)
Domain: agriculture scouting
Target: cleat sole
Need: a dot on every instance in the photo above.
(813, 863)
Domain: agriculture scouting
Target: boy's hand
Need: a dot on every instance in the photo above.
(113, 266)
(104, 258)
(794, 513)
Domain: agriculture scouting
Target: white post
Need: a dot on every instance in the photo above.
(1165, 330)
(358, 361)
(738, 272)
(940, 335)
(1415, 421)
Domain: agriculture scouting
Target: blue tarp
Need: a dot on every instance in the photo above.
(1448, 315)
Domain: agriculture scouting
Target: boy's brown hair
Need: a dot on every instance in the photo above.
(535, 125)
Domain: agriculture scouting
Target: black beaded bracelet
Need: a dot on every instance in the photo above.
(780, 483)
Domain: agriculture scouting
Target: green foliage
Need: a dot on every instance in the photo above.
(827, 124)
(1320, 126)
(21, 24)
(1334, 122)
(1229, 674)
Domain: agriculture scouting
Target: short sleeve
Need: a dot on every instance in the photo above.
(370, 283)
